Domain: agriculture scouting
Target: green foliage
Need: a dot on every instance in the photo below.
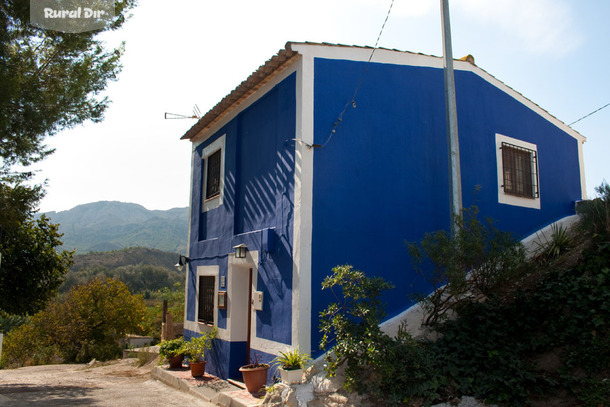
(196, 347)
(24, 346)
(139, 278)
(87, 323)
(170, 348)
(548, 340)
(17, 201)
(154, 312)
(9, 322)
(392, 370)
(595, 214)
(49, 81)
(31, 269)
(351, 324)
(559, 242)
(292, 359)
(478, 262)
(500, 350)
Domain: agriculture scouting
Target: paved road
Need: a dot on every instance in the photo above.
(118, 383)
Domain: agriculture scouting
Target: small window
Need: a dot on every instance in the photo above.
(520, 171)
(213, 175)
(205, 313)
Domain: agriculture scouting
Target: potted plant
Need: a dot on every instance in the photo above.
(291, 365)
(195, 351)
(255, 374)
(171, 351)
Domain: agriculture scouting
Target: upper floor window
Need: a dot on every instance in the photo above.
(212, 187)
(518, 172)
(213, 175)
(520, 169)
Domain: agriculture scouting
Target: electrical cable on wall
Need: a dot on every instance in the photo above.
(352, 101)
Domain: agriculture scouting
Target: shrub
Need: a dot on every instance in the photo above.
(392, 370)
(595, 214)
(87, 323)
(24, 346)
(170, 348)
(478, 262)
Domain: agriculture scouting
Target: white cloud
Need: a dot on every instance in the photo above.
(543, 26)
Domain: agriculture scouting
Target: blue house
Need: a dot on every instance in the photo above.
(282, 191)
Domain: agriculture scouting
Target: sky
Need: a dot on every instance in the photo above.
(188, 53)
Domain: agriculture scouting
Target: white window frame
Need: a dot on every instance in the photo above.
(510, 199)
(216, 201)
(207, 271)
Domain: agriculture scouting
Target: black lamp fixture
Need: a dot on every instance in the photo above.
(181, 262)
(240, 251)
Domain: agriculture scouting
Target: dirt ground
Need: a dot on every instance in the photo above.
(116, 383)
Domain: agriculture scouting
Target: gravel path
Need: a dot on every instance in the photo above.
(117, 383)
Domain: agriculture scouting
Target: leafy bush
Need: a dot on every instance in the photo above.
(548, 339)
(595, 214)
(24, 346)
(392, 369)
(351, 324)
(170, 348)
(87, 323)
(478, 262)
(196, 347)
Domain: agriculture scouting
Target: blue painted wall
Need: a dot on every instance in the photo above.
(383, 178)
(258, 196)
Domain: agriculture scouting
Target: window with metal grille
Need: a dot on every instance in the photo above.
(205, 313)
(520, 169)
(212, 188)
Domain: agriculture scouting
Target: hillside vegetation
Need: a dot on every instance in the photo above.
(530, 332)
(108, 225)
(143, 270)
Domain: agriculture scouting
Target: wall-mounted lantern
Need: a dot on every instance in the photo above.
(240, 251)
(182, 261)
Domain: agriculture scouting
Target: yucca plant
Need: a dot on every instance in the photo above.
(292, 359)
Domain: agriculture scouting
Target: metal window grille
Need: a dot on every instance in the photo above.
(213, 175)
(205, 312)
(520, 168)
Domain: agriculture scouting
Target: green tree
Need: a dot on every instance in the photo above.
(31, 269)
(86, 323)
(90, 320)
(49, 80)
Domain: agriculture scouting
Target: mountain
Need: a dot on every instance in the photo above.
(110, 225)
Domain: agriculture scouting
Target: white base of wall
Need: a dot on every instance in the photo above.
(415, 314)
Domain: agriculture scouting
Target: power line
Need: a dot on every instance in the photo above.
(595, 111)
(352, 101)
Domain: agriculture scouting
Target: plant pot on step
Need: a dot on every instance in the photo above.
(176, 362)
(294, 376)
(197, 368)
(255, 376)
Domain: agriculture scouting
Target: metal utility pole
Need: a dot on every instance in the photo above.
(455, 177)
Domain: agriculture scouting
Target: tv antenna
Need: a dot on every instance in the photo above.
(196, 114)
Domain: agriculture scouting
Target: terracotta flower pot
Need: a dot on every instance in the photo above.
(197, 368)
(255, 378)
(176, 362)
